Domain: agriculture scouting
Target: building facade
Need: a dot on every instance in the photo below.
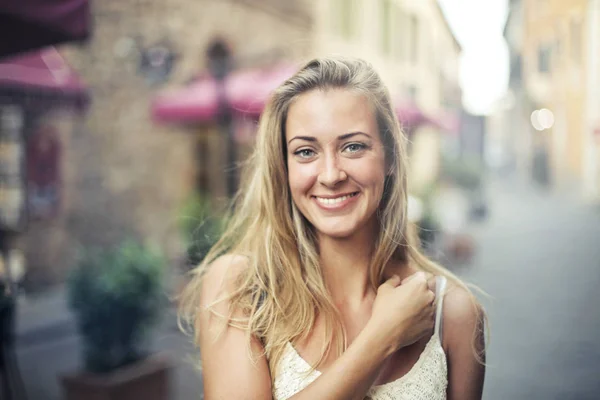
(411, 45)
(555, 70)
(512, 142)
(591, 168)
(123, 175)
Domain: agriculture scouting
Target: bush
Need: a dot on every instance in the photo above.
(116, 295)
(201, 228)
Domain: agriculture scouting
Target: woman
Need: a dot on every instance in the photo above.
(316, 290)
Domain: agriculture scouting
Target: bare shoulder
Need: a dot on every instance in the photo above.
(221, 276)
(224, 271)
(462, 316)
(226, 353)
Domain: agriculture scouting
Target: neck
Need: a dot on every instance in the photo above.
(345, 264)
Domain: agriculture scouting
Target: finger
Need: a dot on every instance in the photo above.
(416, 275)
(394, 281)
(431, 283)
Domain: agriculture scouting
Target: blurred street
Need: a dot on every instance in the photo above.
(539, 260)
(44, 356)
(537, 256)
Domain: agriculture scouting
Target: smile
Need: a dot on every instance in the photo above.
(335, 202)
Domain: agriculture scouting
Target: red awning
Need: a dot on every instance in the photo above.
(448, 122)
(247, 93)
(33, 24)
(410, 115)
(41, 75)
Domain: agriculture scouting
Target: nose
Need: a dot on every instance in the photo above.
(331, 172)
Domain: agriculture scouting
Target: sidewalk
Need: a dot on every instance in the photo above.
(46, 316)
(43, 316)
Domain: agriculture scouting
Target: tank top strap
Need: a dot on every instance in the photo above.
(440, 287)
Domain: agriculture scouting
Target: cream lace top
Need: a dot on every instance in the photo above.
(427, 380)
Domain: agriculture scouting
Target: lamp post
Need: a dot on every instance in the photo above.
(219, 65)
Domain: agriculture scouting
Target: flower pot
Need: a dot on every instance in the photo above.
(147, 379)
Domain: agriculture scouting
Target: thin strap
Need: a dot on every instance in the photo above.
(440, 286)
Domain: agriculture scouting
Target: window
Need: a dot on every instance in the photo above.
(575, 33)
(399, 33)
(413, 38)
(386, 26)
(544, 53)
(413, 92)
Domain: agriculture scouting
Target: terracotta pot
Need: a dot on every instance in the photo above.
(147, 379)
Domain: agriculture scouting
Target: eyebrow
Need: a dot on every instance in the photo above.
(341, 137)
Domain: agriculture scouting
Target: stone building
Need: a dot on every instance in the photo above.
(555, 71)
(124, 175)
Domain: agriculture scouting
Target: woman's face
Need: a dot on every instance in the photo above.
(336, 160)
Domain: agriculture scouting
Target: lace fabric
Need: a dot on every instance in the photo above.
(426, 380)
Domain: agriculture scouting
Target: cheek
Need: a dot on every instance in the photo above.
(301, 178)
(368, 174)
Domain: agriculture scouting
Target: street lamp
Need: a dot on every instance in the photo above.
(219, 65)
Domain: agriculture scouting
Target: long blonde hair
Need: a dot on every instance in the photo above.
(282, 290)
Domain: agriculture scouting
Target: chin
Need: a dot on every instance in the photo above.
(337, 231)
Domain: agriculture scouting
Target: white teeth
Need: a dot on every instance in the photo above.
(336, 200)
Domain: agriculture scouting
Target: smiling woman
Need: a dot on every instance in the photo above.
(320, 290)
(336, 161)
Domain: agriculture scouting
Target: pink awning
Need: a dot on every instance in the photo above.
(410, 115)
(43, 69)
(247, 93)
(41, 74)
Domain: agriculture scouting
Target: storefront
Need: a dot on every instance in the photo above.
(33, 86)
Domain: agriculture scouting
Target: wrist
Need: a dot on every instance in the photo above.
(380, 342)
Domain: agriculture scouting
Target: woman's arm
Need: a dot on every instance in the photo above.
(464, 342)
(230, 372)
(228, 369)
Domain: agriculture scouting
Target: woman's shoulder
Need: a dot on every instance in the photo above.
(462, 315)
(226, 267)
(222, 275)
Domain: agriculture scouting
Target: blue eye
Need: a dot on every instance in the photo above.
(355, 147)
(304, 153)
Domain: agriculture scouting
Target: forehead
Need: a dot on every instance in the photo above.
(324, 113)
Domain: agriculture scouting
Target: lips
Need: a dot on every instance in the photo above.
(335, 202)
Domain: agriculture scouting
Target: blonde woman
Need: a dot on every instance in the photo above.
(317, 290)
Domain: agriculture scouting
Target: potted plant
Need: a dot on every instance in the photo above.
(117, 296)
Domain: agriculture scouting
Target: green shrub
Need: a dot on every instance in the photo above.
(117, 295)
(201, 227)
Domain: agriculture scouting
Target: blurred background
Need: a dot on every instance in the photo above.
(123, 124)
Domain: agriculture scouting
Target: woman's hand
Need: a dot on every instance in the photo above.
(403, 311)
